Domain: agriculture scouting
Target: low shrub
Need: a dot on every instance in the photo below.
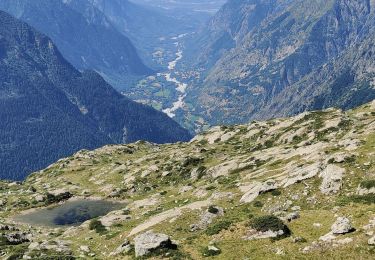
(276, 193)
(97, 225)
(213, 209)
(207, 252)
(269, 222)
(218, 227)
(368, 184)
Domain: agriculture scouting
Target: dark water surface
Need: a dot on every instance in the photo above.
(71, 213)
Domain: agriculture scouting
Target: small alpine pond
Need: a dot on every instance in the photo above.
(70, 213)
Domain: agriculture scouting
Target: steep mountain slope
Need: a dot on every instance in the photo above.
(48, 109)
(84, 35)
(346, 82)
(257, 48)
(291, 188)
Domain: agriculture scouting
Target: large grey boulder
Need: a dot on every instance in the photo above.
(148, 242)
(17, 238)
(342, 226)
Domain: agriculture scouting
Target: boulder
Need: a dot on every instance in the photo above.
(371, 241)
(17, 238)
(254, 234)
(342, 226)
(292, 216)
(148, 242)
(40, 198)
(84, 249)
(332, 179)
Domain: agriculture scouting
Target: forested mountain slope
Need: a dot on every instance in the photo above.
(48, 109)
(85, 36)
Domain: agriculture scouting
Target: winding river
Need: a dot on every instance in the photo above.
(180, 86)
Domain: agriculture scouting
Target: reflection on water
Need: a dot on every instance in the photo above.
(71, 213)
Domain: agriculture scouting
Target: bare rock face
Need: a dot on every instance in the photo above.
(342, 226)
(332, 179)
(147, 242)
(223, 169)
(257, 188)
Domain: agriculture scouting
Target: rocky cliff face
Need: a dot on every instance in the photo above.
(56, 110)
(257, 49)
(292, 187)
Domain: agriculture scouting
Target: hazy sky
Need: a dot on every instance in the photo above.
(196, 5)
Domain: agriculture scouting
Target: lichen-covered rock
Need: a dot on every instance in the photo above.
(17, 238)
(332, 179)
(342, 226)
(147, 242)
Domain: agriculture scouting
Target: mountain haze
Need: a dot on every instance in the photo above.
(85, 36)
(55, 110)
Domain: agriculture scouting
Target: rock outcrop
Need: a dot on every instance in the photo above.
(148, 242)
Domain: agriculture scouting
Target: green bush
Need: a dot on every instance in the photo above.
(368, 184)
(276, 193)
(211, 188)
(206, 252)
(97, 226)
(258, 204)
(213, 209)
(58, 198)
(218, 227)
(269, 222)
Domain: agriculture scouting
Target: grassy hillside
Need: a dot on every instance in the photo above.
(217, 195)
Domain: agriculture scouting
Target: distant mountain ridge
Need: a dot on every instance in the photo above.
(85, 36)
(255, 53)
(49, 110)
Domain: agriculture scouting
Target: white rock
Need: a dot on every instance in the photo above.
(223, 169)
(371, 241)
(256, 188)
(85, 249)
(341, 226)
(332, 179)
(149, 241)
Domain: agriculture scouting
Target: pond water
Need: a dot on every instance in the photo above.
(71, 213)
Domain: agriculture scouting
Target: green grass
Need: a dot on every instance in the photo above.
(218, 227)
(97, 225)
(368, 184)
